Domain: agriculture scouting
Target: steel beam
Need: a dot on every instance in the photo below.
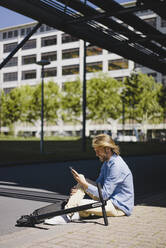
(19, 45)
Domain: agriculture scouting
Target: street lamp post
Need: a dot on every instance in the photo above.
(123, 114)
(84, 101)
(123, 109)
(135, 73)
(42, 63)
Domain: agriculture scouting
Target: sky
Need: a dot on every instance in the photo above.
(9, 18)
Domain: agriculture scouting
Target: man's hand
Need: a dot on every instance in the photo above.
(80, 179)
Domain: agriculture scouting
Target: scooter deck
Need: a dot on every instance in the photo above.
(49, 208)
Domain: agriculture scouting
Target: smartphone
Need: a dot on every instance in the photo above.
(71, 168)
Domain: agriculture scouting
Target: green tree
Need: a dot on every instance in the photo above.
(71, 101)
(2, 108)
(15, 106)
(26, 94)
(12, 108)
(132, 89)
(103, 99)
(162, 101)
(51, 102)
(141, 99)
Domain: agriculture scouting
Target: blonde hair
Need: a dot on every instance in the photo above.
(104, 140)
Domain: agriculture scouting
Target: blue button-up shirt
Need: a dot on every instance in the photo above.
(117, 184)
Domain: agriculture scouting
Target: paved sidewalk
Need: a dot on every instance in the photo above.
(145, 228)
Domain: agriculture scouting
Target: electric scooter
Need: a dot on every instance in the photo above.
(39, 215)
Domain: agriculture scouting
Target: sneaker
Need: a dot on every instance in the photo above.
(75, 216)
(58, 220)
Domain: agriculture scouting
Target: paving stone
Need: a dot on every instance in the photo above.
(145, 228)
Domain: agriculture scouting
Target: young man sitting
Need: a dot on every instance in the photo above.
(116, 181)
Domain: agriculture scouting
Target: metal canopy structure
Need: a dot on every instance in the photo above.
(105, 23)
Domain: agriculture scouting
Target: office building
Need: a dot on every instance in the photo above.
(65, 52)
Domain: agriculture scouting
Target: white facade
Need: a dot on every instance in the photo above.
(20, 73)
(58, 64)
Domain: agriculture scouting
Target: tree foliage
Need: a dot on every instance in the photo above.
(3, 108)
(71, 101)
(141, 98)
(51, 102)
(26, 95)
(162, 100)
(12, 107)
(103, 98)
(145, 101)
(24, 104)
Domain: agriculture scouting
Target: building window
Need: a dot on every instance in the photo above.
(15, 33)
(10, 34)
(117, 64)
(12, 62)
(70, 69)
(10, 76)
(29, 44)
(30, 59)
(28, 30)
(42, 28)
(22, 32)
(94, 67)
(93, 50)
(163, 23)
(70, 53)
(49, 41)
(9, 47)
(7, 90)
(52, 56)
(28, 74)
(151, 21)
(68, 38)
(4, 35)
(50, 72)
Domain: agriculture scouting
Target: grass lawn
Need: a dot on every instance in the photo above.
(13, 151)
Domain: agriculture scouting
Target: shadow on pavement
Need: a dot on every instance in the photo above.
(153, 199)
(50, 177)
(148, 172)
